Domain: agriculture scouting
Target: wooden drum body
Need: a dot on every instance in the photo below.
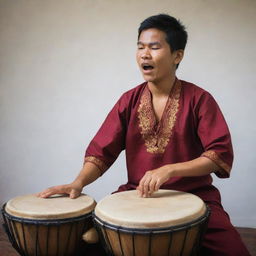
(169, 223)
(47, 227)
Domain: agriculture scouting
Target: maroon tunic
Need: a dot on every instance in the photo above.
(191, 126)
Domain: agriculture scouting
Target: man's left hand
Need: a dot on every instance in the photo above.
(152, 180)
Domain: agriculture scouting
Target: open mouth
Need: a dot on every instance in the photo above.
(147, 67)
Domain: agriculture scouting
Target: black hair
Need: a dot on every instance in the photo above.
(176, 35)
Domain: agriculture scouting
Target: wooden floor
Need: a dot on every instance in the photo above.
(248, 236)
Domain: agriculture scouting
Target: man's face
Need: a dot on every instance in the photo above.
(154, 56)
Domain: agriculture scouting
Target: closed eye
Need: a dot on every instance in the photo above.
(152, 46)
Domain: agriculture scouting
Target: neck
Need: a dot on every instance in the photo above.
(163, 87)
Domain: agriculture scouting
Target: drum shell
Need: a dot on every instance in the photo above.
(182, 240)
(43, 237)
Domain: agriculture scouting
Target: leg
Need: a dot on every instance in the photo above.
(221, 238)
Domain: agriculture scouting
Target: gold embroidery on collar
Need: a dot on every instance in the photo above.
(156, 142)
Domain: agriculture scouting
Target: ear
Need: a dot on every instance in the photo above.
(178, 56)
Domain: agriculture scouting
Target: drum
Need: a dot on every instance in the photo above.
(168, 223)
(46, 227)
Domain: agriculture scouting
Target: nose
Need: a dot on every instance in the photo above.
(145, 54)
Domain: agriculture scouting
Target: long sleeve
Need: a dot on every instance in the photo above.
(110, 139)
(214, 134)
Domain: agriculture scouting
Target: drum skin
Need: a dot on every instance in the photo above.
(32, 235)
(165, 238)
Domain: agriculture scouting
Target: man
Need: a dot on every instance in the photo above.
(173, 132)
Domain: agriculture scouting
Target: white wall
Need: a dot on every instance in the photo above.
(63, 64)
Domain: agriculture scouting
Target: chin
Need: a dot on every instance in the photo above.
(149, 79)
(153, 81)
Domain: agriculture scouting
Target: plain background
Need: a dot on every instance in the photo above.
(63, 65)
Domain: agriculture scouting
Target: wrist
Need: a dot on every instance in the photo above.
(171, 169)
(78, 184)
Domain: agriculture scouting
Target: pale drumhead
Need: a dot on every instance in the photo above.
(164, 208)
(56, 207)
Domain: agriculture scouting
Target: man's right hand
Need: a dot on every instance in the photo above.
(87, 175)
(72, 189)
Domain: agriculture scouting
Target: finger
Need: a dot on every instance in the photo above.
(47, 193)
(62, 189)
(140, 187)
(74, 193)
(139, 191)
(42, 193)
(144, 183)
(158, 184)
(146, 187)
(152, 187)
